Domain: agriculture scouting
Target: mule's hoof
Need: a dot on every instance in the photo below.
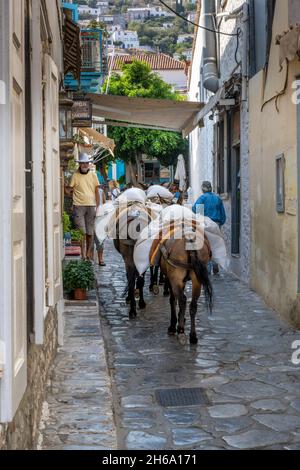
(150, 288)
(132, 315)
(155, 290)
(166, 293)
(171, 331)
(182, 339)
(142, 304)
(193, 339)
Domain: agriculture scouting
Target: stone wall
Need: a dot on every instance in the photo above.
(22, 432)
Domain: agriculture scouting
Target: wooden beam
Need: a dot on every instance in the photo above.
(126, 124)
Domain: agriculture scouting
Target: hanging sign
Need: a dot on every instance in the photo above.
(82, 113)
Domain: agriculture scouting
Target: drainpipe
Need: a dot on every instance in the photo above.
(210, 70)
(245, 51)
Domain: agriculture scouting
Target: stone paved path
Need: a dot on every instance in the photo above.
(242, 360)
(78, 408)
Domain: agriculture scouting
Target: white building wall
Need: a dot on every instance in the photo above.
(176, 78)
(201, 142)
(201, 139)
(240, 264)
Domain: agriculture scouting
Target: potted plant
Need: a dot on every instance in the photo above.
(66, 227)
(76, 236)
(78, 278)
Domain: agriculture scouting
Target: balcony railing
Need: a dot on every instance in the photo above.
(92, 53)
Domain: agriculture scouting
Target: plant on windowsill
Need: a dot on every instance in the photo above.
(78, 278)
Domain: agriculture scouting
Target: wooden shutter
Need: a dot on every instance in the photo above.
(53, 185)
(14, 380)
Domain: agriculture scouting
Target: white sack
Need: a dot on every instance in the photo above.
(212, 231)
(155, 209)
(160, 191)
(143, 246)
(217, 243)
(103, 217)
(132, 195)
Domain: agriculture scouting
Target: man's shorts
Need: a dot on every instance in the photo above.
(84, 218)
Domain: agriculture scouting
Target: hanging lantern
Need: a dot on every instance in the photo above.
(65, 117)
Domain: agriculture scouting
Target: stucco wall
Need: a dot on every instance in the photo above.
(271, 133)
(176, 78)
(201, 141)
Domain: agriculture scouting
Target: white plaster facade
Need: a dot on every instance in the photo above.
(203, 142)
(129, 39)
(20, 130)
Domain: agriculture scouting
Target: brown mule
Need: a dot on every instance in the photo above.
(180, 265)
(124, 244)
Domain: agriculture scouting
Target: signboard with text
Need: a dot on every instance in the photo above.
(82, 113)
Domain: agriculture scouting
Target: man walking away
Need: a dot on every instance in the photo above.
(86, 198)
(213, 208)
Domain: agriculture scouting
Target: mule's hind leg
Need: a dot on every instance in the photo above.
(193, 310)
(161, 278)
(167, 287)
(178, 290)
(140, 286)
(151, 278)
(130, 273)
(172, 327)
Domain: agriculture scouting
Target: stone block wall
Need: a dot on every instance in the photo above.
(22, 432)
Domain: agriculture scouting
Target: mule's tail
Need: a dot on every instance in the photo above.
(201, 272)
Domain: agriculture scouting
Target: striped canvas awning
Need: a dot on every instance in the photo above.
(178, 116)
(72, 48)
(101, 139)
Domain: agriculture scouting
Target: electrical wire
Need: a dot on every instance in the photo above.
(238, 34)
(195, 24)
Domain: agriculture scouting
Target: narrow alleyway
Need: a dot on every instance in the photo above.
(77, 413)
(242, 363)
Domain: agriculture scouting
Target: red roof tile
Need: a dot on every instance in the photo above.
(157, 61)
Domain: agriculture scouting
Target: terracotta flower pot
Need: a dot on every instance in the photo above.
(80, 294)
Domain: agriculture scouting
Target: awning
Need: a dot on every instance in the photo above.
(72, 47)
(104, 141)
(147, 112)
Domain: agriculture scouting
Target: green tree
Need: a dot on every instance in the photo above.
(137, 80)
(94, 24)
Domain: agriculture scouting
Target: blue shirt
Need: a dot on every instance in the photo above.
(213, 207)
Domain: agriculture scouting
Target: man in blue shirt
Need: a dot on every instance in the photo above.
(213, 208)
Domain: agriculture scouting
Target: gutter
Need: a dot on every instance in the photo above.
(209, 51)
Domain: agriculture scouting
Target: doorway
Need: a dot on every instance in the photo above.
(236, 200)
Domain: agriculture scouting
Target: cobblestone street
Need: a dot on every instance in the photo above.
(242, 362)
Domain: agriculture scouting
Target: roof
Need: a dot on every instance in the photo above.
(178, 116)
(157, 61)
